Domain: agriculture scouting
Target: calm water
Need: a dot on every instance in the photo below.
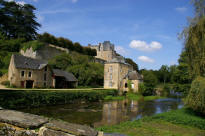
(107, 113)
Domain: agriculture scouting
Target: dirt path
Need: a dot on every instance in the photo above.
(2, 87)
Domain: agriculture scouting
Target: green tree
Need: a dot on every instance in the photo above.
(150, 82)
(131, 62)
(18, 21)
(164, 73)
(196, 96)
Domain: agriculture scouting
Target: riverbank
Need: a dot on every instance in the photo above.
(182, 122)
(132, 96)
(16, 99)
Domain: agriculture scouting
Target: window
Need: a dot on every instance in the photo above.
(29, 74)
(44, 84)
(125, 85)
(110, 76)
(46, 68)
(132, 86)
(22, 73)
(110, 68)
(45, 77)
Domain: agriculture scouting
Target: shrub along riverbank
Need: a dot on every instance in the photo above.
(182, 122)
(15, 99)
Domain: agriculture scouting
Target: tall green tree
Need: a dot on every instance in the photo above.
(18, 21)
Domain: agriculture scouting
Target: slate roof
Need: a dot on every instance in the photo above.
(68, 76)
(134, 75)
(28, 63)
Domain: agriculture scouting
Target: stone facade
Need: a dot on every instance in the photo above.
(105, 50)
(117, 73)
(44, 53)
(29, 78)
(114, 72)
(25, 72)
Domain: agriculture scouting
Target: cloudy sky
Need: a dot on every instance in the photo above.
(144, 30)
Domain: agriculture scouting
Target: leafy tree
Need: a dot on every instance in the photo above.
(164, 73)
(66, 43)
(196, 96)
(131, 62)
(150, 81)
(18, 21)
(61, 61)
(11, 45)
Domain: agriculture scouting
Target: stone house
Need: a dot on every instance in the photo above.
(26, 72)
(117, 73)
(105, 51)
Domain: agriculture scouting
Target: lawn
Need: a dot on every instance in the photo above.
(181, 122)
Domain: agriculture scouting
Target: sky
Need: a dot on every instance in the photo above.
(143, 30)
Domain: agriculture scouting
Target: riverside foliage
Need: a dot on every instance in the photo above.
(15, 99)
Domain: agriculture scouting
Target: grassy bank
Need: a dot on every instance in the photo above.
(14, 99)
(181, 122)
(132, 96)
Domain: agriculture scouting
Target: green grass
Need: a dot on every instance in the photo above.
(132, 96)
(149, 98)
(181, 122)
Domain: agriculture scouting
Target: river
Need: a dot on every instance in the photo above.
(107, 113)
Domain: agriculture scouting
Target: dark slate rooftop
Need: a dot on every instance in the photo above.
(68, 76)
(28, 63)
(134, 75)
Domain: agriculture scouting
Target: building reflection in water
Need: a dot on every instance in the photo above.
(117, 111)
(120, 111)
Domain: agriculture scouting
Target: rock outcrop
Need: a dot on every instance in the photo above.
(15, 123)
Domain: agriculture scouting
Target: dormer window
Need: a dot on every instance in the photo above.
(22, 73)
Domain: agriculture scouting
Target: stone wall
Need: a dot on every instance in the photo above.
(14, 123)
(44, 53)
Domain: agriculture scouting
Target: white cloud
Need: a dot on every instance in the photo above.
(74, 1)
(143, 46)
(181, 9)
(145, 59)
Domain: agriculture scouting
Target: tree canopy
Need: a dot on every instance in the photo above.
(18, 21)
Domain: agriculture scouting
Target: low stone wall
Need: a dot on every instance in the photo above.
(14, 123)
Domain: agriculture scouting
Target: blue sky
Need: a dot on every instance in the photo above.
(144, 30)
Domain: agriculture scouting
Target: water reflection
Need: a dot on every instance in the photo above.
(108, 113)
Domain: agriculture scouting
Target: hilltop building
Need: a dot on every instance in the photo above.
(26, 72)
(105, 51)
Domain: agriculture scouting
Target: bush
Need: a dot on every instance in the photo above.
(142, 88)
(196, 96)
(182, 88)
(16, 99)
